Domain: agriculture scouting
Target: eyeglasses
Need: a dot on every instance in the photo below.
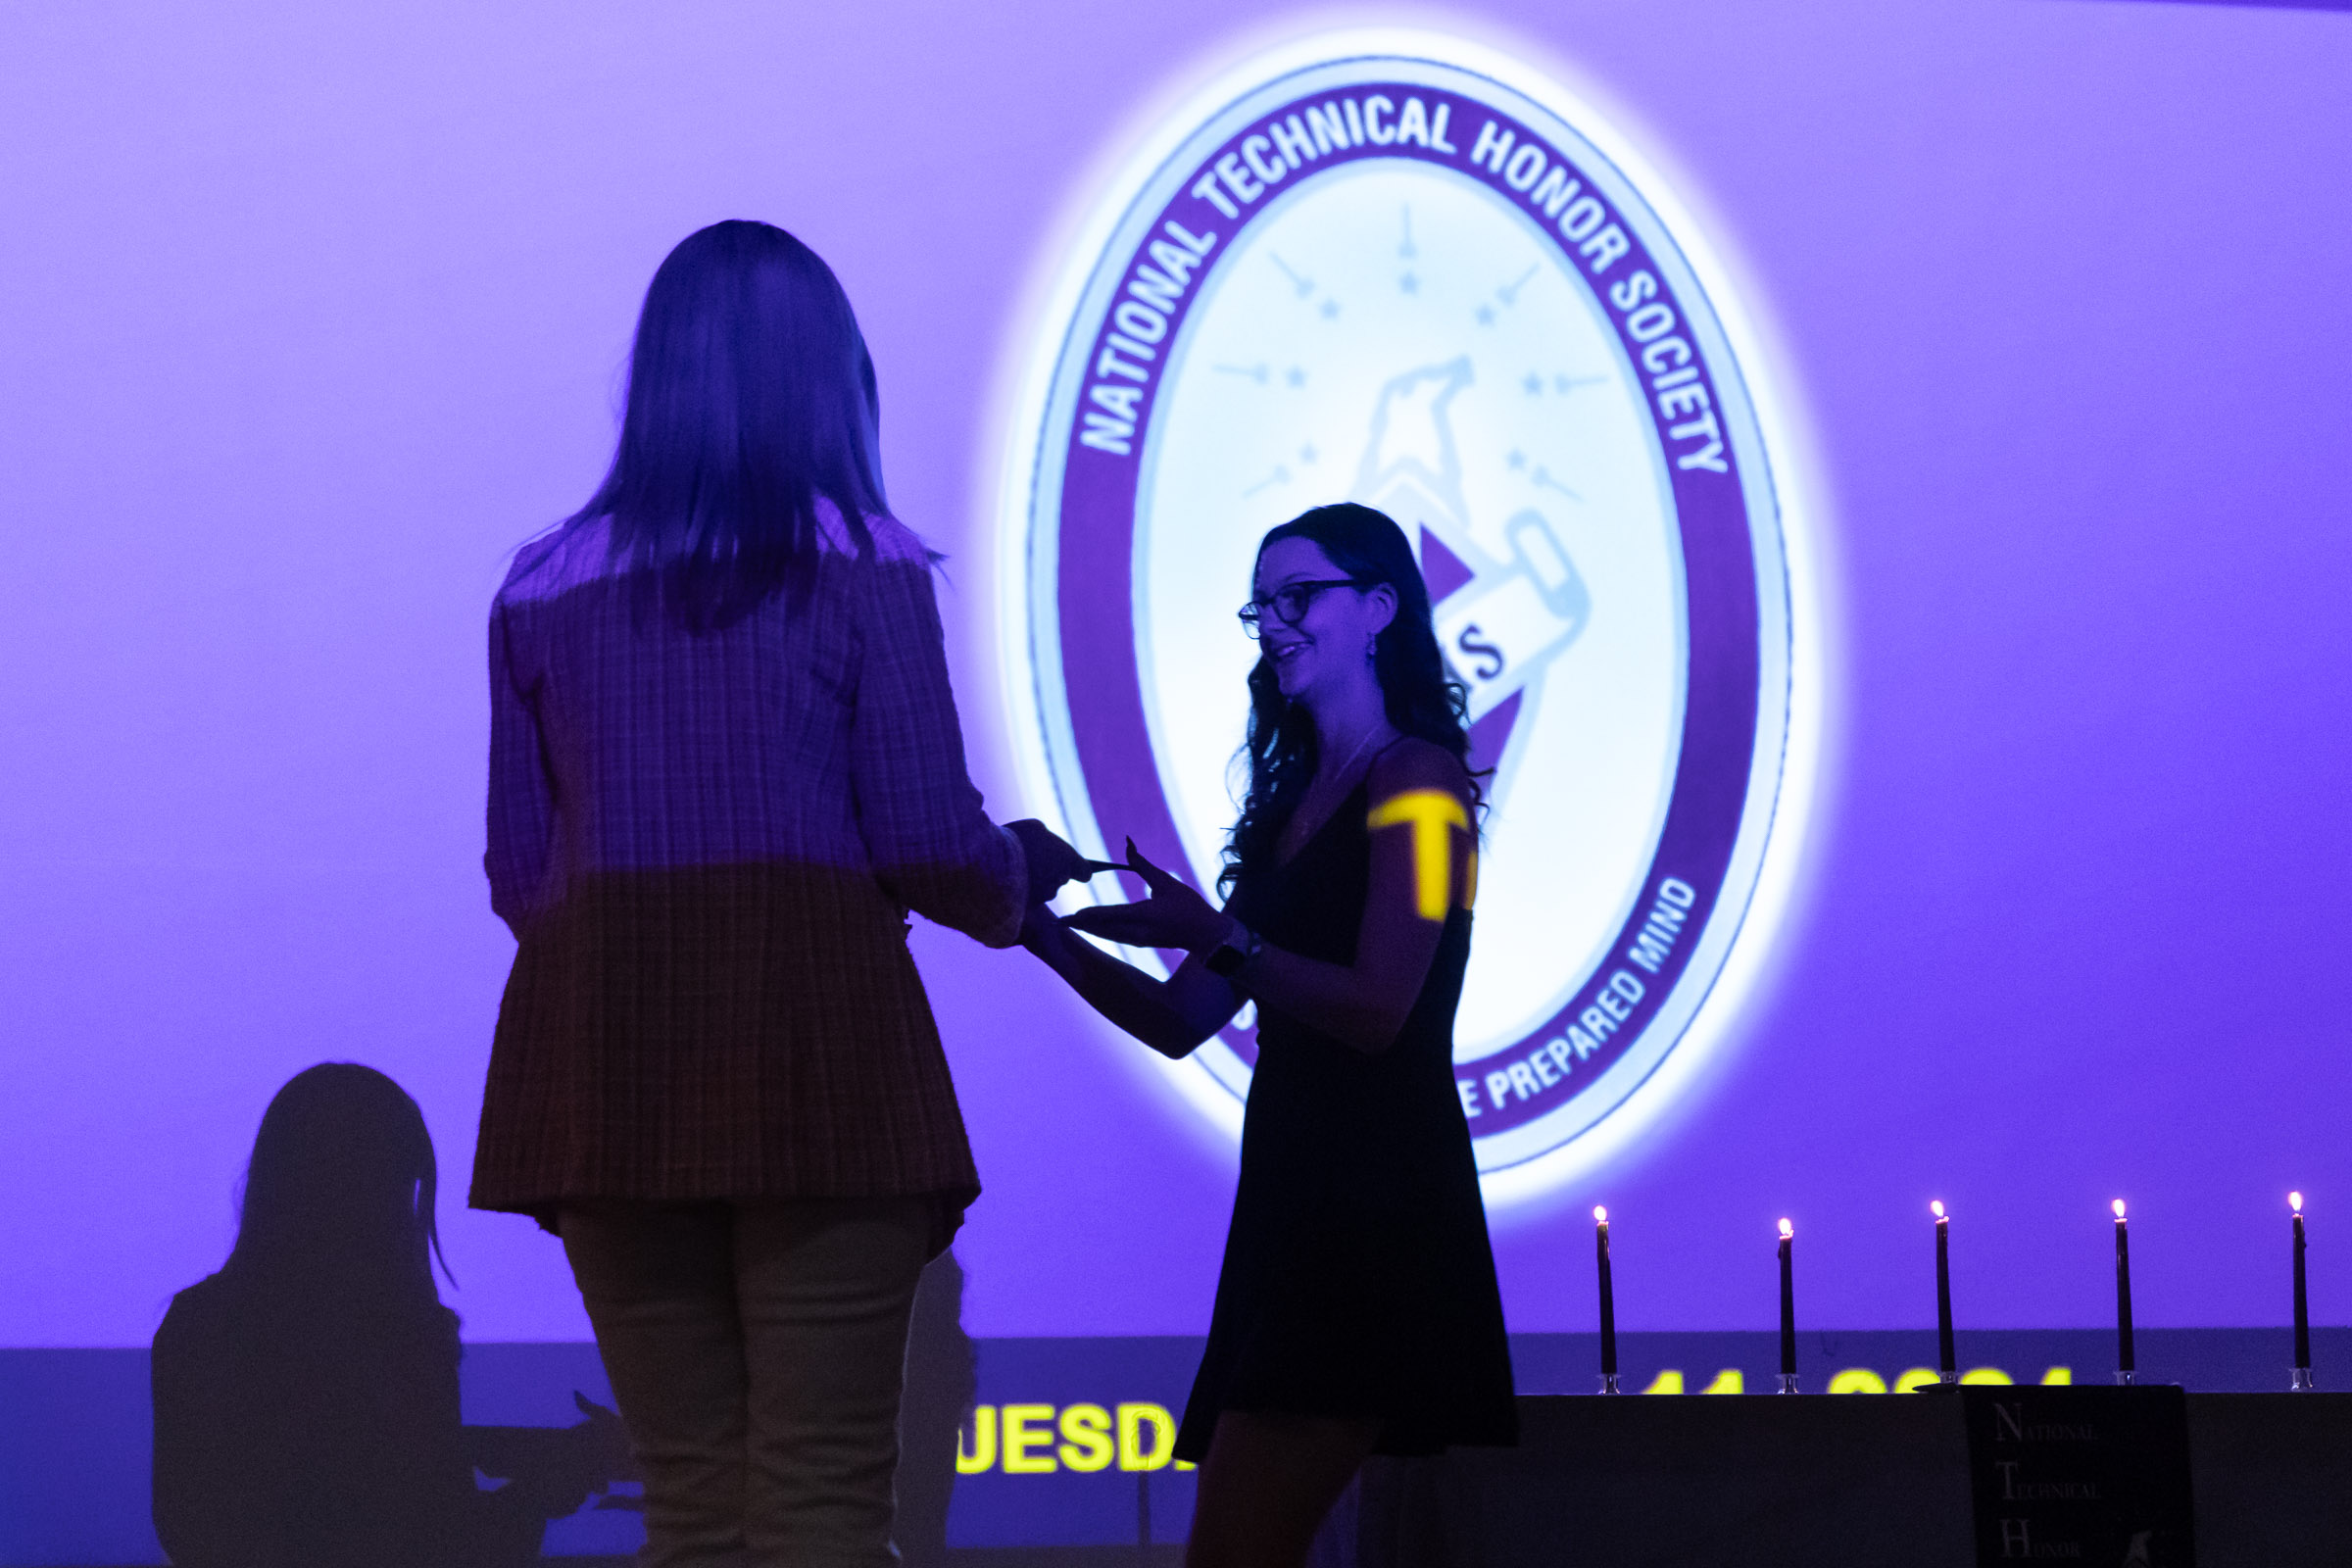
(1290, 602)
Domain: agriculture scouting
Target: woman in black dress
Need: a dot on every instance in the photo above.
(1357, 1312)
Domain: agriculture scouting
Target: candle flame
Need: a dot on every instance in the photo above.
(1786, 1230)
(1601, 1214)
(2294, 1200)
(2119, 1208)
(1937, 1208)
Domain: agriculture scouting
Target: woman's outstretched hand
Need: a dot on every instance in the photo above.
(1173, 916)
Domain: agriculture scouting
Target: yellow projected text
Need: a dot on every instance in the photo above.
(1433, 816)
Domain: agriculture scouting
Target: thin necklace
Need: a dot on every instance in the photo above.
(1341, 772)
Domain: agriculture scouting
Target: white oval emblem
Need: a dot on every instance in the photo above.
(1392, 276)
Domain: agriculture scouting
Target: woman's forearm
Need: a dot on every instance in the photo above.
(1357, 1004)
(1137, 1003)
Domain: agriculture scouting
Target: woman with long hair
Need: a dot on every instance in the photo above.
(1357, 1312)
(725, 764)
(305, 1395)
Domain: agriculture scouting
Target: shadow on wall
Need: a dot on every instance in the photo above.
(940, 1385)
(305, 1395)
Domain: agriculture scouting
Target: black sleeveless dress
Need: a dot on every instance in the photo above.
(1357, 1279)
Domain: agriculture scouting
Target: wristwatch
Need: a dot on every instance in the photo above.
(1225, 960)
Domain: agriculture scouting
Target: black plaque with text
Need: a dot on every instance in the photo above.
(2081, 1475)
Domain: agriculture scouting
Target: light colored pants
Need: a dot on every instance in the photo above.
(757, 1351)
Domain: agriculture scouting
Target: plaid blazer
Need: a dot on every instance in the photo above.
(707, 845)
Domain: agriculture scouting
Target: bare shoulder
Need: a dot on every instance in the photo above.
(1414, 764)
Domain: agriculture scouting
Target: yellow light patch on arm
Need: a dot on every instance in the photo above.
(1432, 814)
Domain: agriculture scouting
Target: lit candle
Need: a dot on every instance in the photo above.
(2294, 1200)
(1788, 1309)
(1608, 1304)
(2125, 1371)
(1945, 1359)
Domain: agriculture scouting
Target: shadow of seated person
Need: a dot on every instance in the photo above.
(305, 1395)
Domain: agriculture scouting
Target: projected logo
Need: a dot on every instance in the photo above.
(1394, 278)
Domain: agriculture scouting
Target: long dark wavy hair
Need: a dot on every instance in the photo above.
(750, 394)
(1421, 698)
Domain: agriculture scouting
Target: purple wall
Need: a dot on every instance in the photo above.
(310, 316)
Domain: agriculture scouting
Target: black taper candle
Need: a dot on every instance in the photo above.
(1609, 1299)
(1788, 1302)
(2124, 1364)
(1945, 1361)
(2302, 1303)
